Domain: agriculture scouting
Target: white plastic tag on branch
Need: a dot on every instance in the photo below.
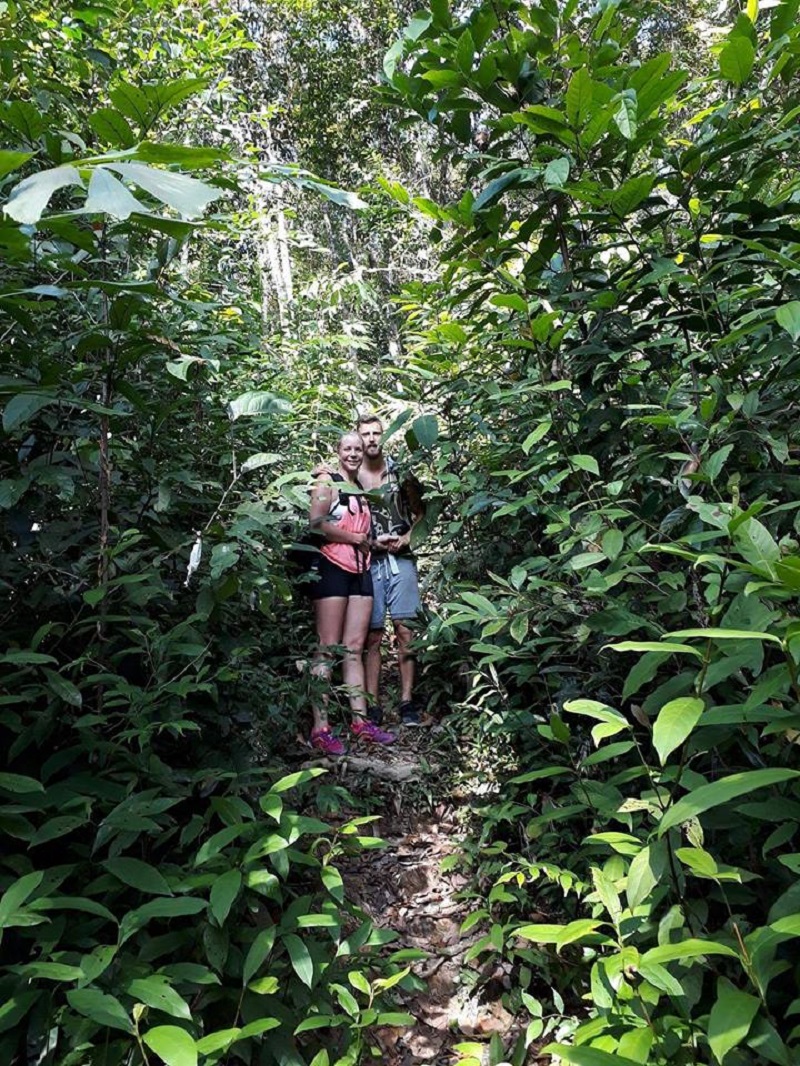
(194, 558)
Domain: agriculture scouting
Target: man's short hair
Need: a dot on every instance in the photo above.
(368, 419)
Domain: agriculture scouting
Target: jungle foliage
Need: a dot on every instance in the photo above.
(599, 381)
(613, 346)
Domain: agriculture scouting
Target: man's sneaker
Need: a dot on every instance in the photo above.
(409, 715)
(375, 714)
(366, 730)
(323, 740)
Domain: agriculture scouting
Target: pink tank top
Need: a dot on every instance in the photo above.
(350, 512)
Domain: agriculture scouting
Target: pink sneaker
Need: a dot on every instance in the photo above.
(366, 730)
(326, 742)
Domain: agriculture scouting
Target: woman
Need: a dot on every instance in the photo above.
(342, 594)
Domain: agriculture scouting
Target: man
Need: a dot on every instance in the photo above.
(396, 505)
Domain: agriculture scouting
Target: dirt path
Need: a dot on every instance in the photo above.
(403, 887)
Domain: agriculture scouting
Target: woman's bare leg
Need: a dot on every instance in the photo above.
(356, 625)
(330, 617)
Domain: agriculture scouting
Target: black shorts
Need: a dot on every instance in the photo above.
(333, 581)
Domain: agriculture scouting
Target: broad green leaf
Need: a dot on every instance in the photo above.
(15, 1008)
(63, 688)
(139, 875)
(425, 430)
(258, 953)
(686, 949)
(222, 1040)
(332, 880)
(300, 777)
(579, 97)
(112, 127)
(12, 161)
(585, 462)
(22, 407)
(255, 404)
(556, 173)
(631, 193)
(723, 791)
(174, 1046)
(16, 895)
(158, 908)
(188, 196)
(536, 435)
(223, 894)
(675, 722)
(626, 113)
(218, 842)
(258, 1027)
(158, 993)
(107, 195)
(645, 872)
(736, 60)
(730, 1018)
(255, 462)
(101, 1008)
(301, 959)
(20, 783)
(788, 317)
(587, 1056)
(29, 199)
(540, 934)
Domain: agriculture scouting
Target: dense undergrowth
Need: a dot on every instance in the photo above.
(599, 388)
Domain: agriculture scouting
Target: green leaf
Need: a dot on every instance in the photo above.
(255, 404)
(20, 783)
(579, 98)
(332, 880)
(736, 60)
(222, 1040)
(174, 1046)
(108, 196)
(425, 430)
(255, 462)
(22, 407)
(14, 896)
(158, 993)
(585, 462)
(626, 112)
(298, 778)
(723, 791)
(645, 872)
(730, 1018)
(675, 722)
(223, 894)
(301, 959)
(631, 193)
(15, 1008)
(587, 1056)
(158, 908)
(12, 161)
(258, 953)
(112, 128)
(556, 173)
(686, 949)
(788, 317)
(101, 1008)
(29, 199)
(725, 634)
(216, 843)
(139, 875)
(653, 645)
(63, 688)
(188, 196)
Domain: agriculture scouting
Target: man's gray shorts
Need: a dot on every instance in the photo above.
(396, 589)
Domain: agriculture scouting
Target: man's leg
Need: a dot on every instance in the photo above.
(373, 666)
(407, 660)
